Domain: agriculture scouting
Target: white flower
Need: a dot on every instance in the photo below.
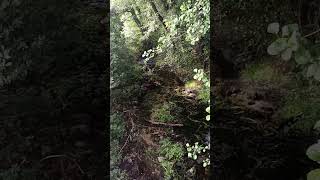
(204, 164)
(195, 156)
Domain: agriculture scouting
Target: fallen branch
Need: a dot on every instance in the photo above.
(166, 124)
(311, 34)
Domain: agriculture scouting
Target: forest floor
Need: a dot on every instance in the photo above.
(142, 142)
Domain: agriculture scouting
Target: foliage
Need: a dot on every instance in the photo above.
(11, 66)
(197, 150)
(291, 44)
(185, 29)
(148, 55)
(116, 133)
(170, 150)
(17, 173)
(162, 112)
(314, 174)
(170, 153)
(313, 152)
(118, 174)
(167, 34)
(195, 16)
(200, 76)
(116, 126)
(302, 103)
(123, 69)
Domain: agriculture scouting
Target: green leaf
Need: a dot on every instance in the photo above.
(312, 69)
(317, 125)
(303, 56)
(288, 29)
(274, 28)
(316, 75)
(313, 152)
(286, 55)
(277, 46)
(293, 41)
(314, 175)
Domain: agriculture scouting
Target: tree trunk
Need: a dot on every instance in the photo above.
(160, 18)
(136, 19)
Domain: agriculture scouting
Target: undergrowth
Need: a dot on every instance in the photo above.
(16, 173)
(162, 112)
(263, 72)
(117, 129)
(170, 153)
(302, 104)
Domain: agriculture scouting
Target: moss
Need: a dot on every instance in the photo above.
(264, 72)
(302, 103)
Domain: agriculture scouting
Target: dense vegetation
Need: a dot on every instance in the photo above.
(266, 57)
(159, 89)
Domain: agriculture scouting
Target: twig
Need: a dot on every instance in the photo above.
(124, 144)
(311, 34)
(166, 124)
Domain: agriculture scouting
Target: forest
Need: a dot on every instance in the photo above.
(92, 89)
(258, 62)
(266, 89)
(160, 89)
